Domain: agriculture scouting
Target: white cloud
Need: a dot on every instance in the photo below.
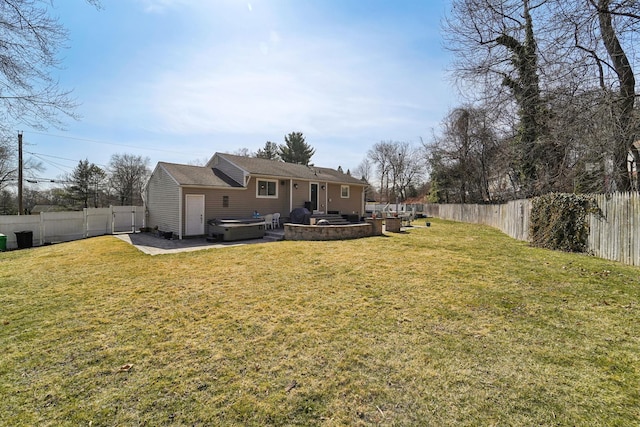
(313, 85)
(260, 78)
(157, 6)
(161, 6)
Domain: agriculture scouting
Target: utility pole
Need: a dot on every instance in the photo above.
(20, 207)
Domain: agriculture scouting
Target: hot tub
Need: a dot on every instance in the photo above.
(229, 230)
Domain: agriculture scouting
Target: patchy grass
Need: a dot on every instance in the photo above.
(454, 324)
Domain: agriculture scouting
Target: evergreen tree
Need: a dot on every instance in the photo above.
(86, 179)
(270, 151)
(295, 149)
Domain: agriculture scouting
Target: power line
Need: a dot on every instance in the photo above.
(61, 158)
(63, 168)
(106, 143)
(48, 155)
(39, 180)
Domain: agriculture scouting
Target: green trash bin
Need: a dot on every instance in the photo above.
(3, 242)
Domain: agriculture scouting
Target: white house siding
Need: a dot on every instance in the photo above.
(163, 201)
(232, 171)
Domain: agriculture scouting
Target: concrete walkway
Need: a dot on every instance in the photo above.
(152, 245)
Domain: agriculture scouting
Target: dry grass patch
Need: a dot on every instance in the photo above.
(449, 325)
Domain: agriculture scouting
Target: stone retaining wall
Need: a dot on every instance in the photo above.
(373, 227)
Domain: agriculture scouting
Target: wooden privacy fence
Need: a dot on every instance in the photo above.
(511, 218)
(52, 227)
(614, 236)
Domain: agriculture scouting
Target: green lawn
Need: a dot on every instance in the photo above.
(454, 324)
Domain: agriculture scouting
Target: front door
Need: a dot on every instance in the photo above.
(194, 215)
(313, 196)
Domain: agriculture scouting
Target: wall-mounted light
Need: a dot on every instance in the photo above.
(295, 185)
(323, 187)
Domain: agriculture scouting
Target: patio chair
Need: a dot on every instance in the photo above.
(408, 219)
(276, 220)
(268, 221)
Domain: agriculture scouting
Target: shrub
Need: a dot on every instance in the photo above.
(559, 221)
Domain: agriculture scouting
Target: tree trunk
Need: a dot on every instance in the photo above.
(526, 90)
(625, 132)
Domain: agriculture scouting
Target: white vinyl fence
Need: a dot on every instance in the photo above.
(53, 227)
(614, 236)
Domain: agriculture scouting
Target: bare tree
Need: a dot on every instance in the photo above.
(466, 160)
(379, 155)
(399, 167)
(31, 39)
(496, 47)
(406, 168)
(627, 13)
(244, 151)
(8, 203)
(8, 167)
(198, 162)
(551, 57)
(128, 174)
(363, 170)
(595, 39)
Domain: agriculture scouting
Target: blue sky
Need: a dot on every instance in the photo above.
(178, 80)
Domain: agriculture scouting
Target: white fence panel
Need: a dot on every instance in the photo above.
(10, 224)
(52, 227)
(62, 226)
(98, 222)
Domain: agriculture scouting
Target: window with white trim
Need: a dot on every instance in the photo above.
(267, 188)
(344, 191)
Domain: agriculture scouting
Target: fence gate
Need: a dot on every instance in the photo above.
(125, 219)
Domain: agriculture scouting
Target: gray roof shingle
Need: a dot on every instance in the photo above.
(189, 175)
(278, 169)
(198, 175)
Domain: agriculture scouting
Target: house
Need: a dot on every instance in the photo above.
(182, 198)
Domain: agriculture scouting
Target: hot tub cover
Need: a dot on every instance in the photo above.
(223, 221)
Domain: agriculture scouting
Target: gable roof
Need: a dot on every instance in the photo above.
(208, 176)
(198, 175)
(279, 169)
